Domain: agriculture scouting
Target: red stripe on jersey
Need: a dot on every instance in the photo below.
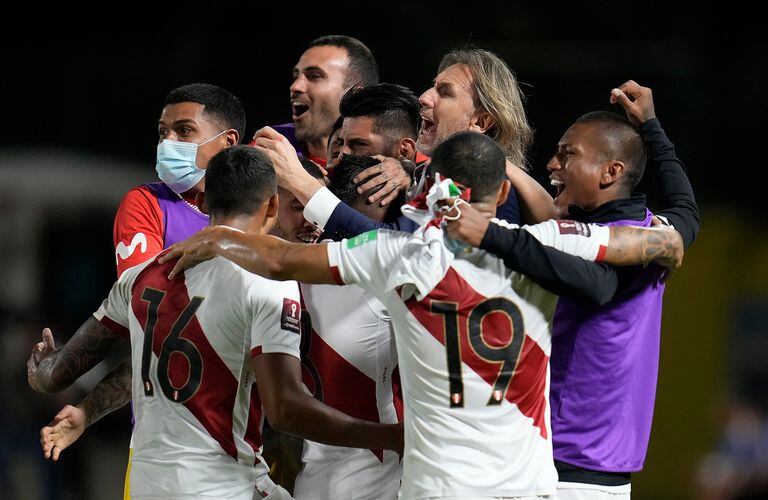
(213, 401)
(397, 394)
(343, 386)
(116, 327)
(255, 422)
(256, 351)
(336, 276)
(601, 253)
(526, 388)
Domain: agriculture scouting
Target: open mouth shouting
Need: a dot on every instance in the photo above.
(298, 109)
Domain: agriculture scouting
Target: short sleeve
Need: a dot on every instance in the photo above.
(114, 310)
(381, 261)
(138, 229)
(275, 312)
(588, 241)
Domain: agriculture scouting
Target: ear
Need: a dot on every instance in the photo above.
(506, 186)
(273, 203)
(611, 172)
(270, 209)
(232, 137)
(405, 147)
(201, 202)
(482, 122)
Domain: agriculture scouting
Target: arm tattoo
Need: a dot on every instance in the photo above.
(112, 393)
(632, 245)
(92, 343)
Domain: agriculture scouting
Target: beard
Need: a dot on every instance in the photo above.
(319, 125)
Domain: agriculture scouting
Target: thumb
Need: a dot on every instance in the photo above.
(620, 97)
(48, 342)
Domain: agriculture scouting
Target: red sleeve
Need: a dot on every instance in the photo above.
(138, 229)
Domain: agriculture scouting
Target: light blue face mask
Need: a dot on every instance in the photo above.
(176, 164)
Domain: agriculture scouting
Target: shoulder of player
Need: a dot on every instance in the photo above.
(236, 274)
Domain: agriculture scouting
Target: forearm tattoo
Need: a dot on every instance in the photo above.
(92, 343)
(663, 246)
(112, 393)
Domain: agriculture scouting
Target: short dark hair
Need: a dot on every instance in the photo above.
(345, 189)
(394, 107)
(363, 69)
(623, 142)
(472, 159)
(238, 180)
(346, 170)
(219, 104)
(311, 167)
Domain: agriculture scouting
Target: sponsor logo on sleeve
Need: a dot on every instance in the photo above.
(291, 318)
(573, 227)
(362, 238)
(123, 251)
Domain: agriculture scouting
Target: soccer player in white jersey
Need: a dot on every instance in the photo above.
(473, 338)
(349, 361)
(201, 340)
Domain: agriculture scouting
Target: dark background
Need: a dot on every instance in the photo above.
(91, 83)
(99, 85)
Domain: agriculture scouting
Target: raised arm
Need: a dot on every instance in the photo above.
(52, 370)
(266, 256)
(536, 204)
(678, 202)
(290, 409)
(112, 393)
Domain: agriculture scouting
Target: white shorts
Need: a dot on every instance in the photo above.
(582, 491)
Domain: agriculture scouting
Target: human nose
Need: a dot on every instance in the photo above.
(299, 85)
(427, 98)
(554, 164)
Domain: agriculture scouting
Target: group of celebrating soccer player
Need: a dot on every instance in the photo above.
(382, 279)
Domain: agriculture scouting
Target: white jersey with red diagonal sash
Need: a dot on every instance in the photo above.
(473, 341)
(350, 363)
(197, 409)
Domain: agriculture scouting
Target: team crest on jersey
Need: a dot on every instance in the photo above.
(291, 318)
(573, 227)
(362, 238)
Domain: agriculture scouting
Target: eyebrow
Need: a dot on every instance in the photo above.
(186, 121)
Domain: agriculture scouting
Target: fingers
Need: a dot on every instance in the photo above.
(389, 198)
(367, 173)
(268, 133)
(49, 345)
(371, 183)
(174, 252)
(618, 96)
(181, 264)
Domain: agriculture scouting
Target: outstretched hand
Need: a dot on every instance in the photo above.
(65, 428)
(636, 100)
(40, 351)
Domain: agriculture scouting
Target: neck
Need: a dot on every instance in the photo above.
(318, 148)
(245, 223)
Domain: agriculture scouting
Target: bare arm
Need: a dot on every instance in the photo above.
(632, 245)
(266, 256)
(112, 393)
(536, 204)
(52, 370)
(290, 409)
